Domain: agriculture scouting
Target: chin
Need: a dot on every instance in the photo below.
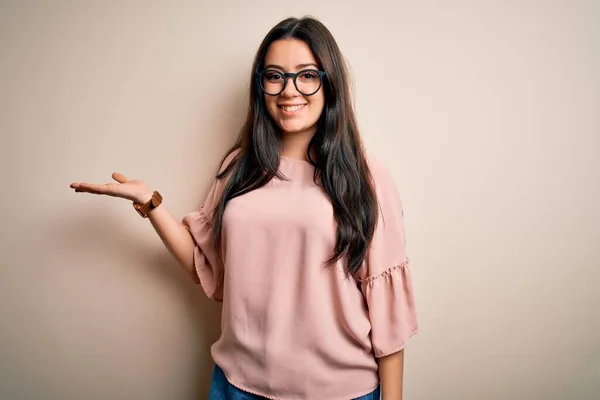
(295, 128)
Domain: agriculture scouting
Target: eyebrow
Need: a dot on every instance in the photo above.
(299, 66)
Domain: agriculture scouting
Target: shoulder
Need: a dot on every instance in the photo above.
(386, 189)
(229, 160)
(380, 172)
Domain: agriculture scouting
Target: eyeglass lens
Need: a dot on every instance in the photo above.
(307, 82)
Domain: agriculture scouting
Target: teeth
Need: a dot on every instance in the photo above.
(292, 108)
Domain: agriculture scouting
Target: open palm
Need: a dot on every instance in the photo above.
(135, 190)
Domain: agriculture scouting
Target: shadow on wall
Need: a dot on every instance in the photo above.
(118, 317)
(123, 303)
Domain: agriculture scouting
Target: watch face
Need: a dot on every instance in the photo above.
(155, 201)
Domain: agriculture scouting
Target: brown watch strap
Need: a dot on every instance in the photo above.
(144, 209)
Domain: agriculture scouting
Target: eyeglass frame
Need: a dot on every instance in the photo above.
(286, 75)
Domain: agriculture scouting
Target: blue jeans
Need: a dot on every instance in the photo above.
(221, 389)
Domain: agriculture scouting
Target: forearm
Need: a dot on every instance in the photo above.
(391, 371)
(175, 236)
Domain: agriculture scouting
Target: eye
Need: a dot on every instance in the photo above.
(273, 76)
(309, 75)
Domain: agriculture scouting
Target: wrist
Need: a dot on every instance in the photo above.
(145, 207)
(143, 198)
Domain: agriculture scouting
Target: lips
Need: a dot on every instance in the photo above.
(290, 110)
(291, 107)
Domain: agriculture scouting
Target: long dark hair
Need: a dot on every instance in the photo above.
(340, 165)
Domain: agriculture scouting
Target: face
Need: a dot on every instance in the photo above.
(292, 111)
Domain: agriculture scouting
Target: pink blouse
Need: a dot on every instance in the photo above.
(291, 327)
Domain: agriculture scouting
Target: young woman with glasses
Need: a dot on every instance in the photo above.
(301, 237)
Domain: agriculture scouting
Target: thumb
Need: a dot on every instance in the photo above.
(120, 177)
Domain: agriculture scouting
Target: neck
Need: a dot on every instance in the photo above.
(295, 144)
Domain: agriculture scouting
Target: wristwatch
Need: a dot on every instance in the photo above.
(144, 209)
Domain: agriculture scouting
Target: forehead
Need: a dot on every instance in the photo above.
(289, 53)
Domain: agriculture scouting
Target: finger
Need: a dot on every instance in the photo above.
(110, 189)
(120, 177)
(89, 188)
(76, 186)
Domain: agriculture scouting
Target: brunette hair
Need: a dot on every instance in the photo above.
(340, 164)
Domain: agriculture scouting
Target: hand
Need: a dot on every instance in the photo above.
(135, 190)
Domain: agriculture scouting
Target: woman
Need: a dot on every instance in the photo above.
(301, 237)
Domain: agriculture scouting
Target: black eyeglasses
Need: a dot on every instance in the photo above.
(307, 81)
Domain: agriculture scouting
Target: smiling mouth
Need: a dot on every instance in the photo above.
(292, 108)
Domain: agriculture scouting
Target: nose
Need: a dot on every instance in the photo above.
(290, 88)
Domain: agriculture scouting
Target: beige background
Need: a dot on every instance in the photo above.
(487, 112)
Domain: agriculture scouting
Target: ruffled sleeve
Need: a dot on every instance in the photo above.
(207, 256)
(385, 278)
